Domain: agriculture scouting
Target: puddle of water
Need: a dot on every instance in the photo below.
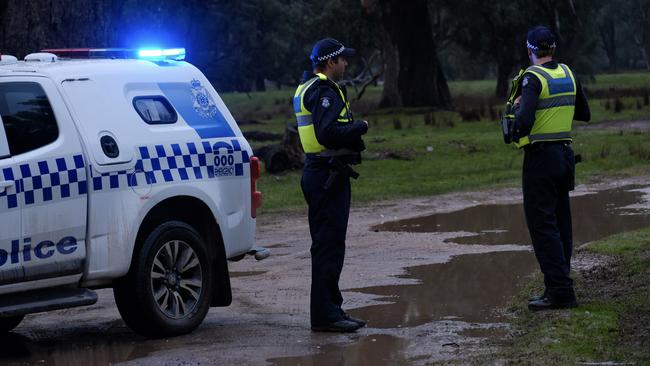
(595, 216)
(82, 350)
(469, 288)
(378, 349)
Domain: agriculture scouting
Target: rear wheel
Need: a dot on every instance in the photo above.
(168, 288)
(8, 324)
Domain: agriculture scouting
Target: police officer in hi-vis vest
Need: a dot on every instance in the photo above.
(551, 98)
(332, 142)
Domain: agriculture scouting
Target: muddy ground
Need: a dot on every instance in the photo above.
(426, 297)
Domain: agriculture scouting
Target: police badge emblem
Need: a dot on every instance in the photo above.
(202, 103)
(325, 102)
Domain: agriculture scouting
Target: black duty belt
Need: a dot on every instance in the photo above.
(541, 144)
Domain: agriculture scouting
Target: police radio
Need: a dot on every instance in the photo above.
(508, 118)
(508, 125)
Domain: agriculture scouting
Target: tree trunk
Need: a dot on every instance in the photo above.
(390, 96)
(504, 69)
(260, 85)
(608, 37)
(420, 80)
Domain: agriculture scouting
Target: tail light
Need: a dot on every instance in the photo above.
(256, 196)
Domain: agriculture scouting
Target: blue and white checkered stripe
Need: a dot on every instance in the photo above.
(43, 181)
(161, 164)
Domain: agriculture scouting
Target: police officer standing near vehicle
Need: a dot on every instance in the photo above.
(551, 98)
(331, 139)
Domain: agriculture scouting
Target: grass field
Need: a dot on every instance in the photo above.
(612, 324)
(419, 152)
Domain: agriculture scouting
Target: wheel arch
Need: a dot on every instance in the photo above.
(198, 215)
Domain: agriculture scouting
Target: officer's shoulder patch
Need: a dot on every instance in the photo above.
(525, 81)
(325, 102)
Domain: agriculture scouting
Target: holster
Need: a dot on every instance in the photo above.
(338, 167)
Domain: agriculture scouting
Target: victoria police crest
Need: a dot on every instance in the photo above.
(325, 102)
(203, 103)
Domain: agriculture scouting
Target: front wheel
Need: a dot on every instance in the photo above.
(168, 288)
(8, 324)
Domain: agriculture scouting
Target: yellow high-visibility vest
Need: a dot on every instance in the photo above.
(556, 105)
(305, 119)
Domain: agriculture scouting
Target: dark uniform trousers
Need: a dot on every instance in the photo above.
(328, 222)
(548, 176)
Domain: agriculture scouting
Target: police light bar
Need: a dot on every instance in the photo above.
(177, 54)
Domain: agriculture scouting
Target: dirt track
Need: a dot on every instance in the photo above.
(643, 125)
(268, 320)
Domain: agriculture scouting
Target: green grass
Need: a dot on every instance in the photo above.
(627, 246)
(612, 323)
(628, 80)
(587, 334)
(601, 113)
(464, 157)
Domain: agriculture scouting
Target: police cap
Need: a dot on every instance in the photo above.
(540, 38)
(328, 48)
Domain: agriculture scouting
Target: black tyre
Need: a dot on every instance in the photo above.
(8, 324)
(168, 288)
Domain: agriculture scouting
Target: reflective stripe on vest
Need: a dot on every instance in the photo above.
(305, 119)
(556, 105)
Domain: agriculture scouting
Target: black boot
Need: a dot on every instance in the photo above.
(548, 304)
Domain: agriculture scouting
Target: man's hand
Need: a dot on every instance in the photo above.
(517, 100)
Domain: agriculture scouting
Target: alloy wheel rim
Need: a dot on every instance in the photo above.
(176, 279)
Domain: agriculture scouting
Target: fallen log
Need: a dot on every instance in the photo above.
(287, 155)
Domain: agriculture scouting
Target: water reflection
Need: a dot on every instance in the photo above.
(373, 350)
(468, 287)
(83, 351)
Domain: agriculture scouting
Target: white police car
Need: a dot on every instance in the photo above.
(120, 169)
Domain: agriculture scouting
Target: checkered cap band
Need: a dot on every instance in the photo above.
(332, 54)
(536, 48)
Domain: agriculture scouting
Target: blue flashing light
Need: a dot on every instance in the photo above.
(177, 54)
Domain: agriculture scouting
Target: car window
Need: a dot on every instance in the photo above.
(4, 145)
(27, 116)
(155, 110)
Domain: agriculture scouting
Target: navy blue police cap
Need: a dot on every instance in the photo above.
(540, 38)
(328, 48)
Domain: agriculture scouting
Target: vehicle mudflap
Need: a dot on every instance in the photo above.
(222, 292)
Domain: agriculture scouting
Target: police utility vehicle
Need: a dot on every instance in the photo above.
(120, 168)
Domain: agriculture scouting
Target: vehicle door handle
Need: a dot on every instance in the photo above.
(4, 184)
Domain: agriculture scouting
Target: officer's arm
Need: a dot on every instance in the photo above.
(582, 112)
(525, 114)
(326, 107)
